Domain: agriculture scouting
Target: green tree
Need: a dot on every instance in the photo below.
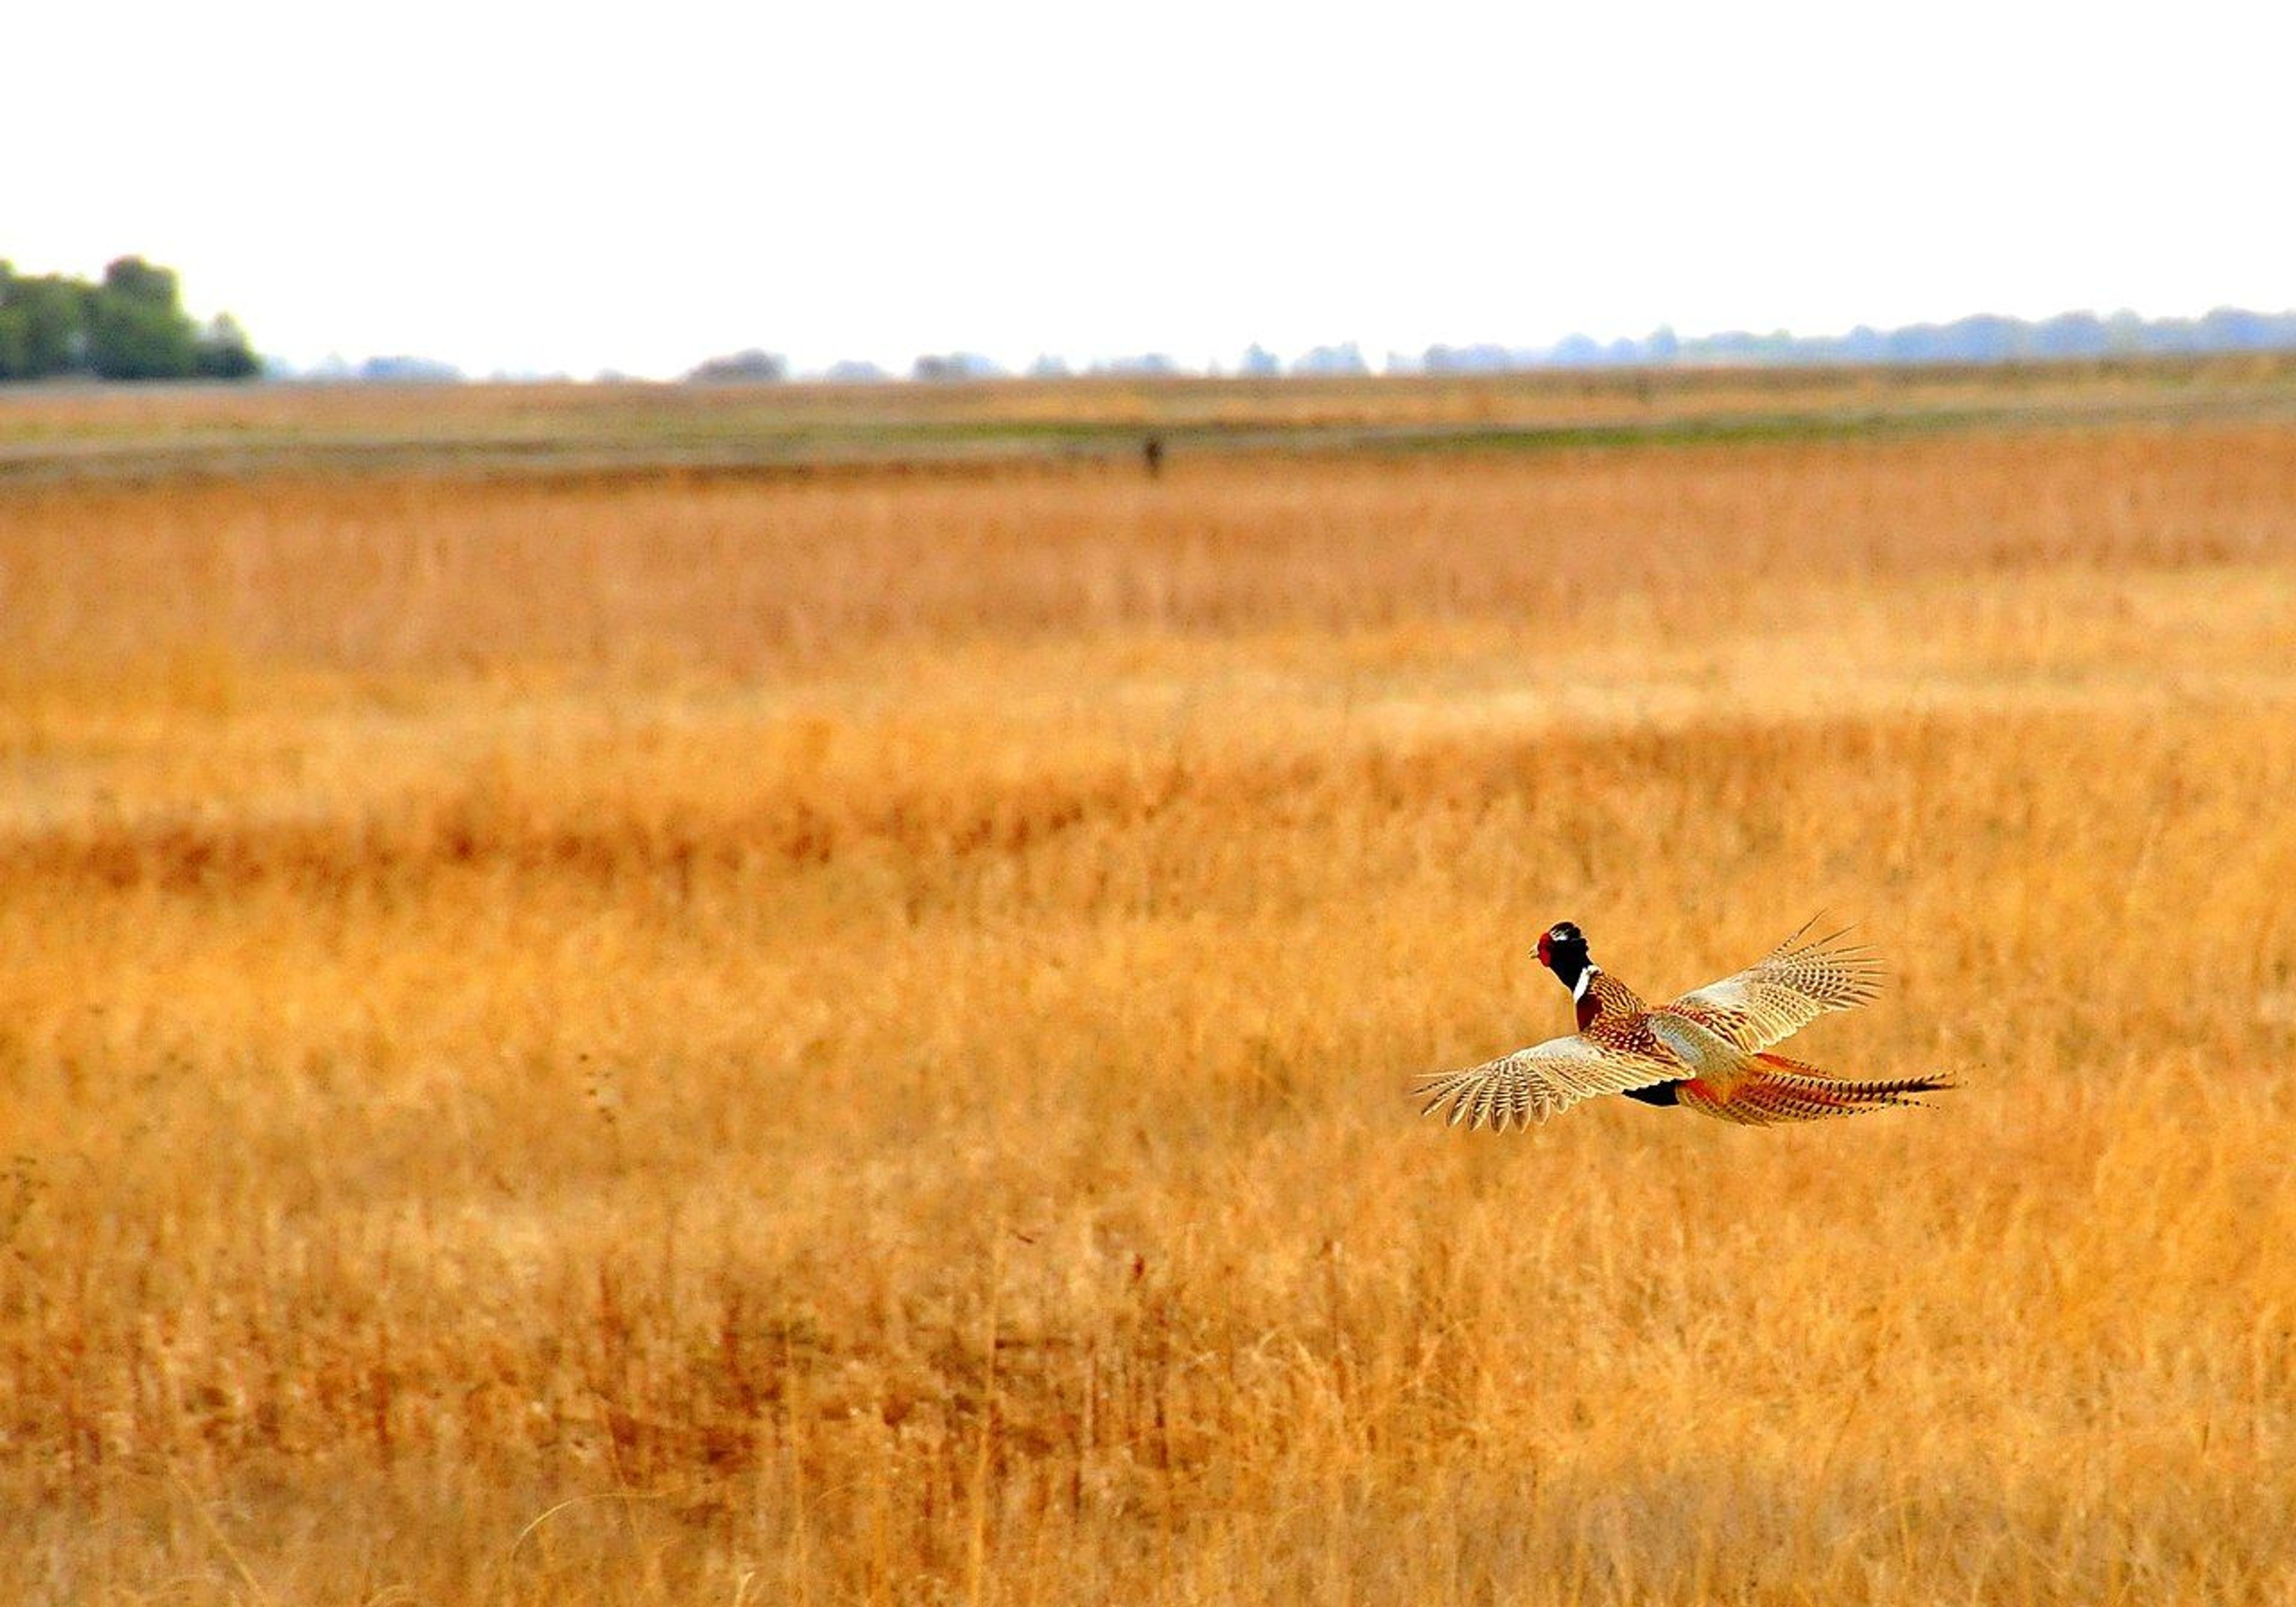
(43, 325)
(133, 279)
(224, 353)
(132, 339)
(138, 329)
(12, 354)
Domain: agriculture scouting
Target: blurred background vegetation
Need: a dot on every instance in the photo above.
(131, 326)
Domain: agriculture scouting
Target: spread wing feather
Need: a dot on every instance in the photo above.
(1533, 1084)
(1787, 989)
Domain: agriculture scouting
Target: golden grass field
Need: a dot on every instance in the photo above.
(646, 1039)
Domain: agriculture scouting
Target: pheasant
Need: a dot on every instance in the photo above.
(1708, 1051)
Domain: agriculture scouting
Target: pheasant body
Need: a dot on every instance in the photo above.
(1708, 1051)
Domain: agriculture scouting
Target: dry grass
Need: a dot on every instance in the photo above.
(845, 1043)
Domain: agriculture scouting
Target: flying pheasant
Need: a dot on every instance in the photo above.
(1708, 1050)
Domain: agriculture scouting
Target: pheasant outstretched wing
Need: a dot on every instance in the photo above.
(1533, 1084)
(1783, 992)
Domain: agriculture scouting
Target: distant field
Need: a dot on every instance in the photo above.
(78, 433)
(643, 1037)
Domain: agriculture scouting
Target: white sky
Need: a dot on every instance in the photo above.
(563, 187)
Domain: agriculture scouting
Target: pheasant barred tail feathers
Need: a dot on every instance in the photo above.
(1782, 1090)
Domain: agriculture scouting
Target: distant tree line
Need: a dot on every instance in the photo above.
(1984, 338)
(1981, 339)
(131, 326)
(755, 366)
(401, 369)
